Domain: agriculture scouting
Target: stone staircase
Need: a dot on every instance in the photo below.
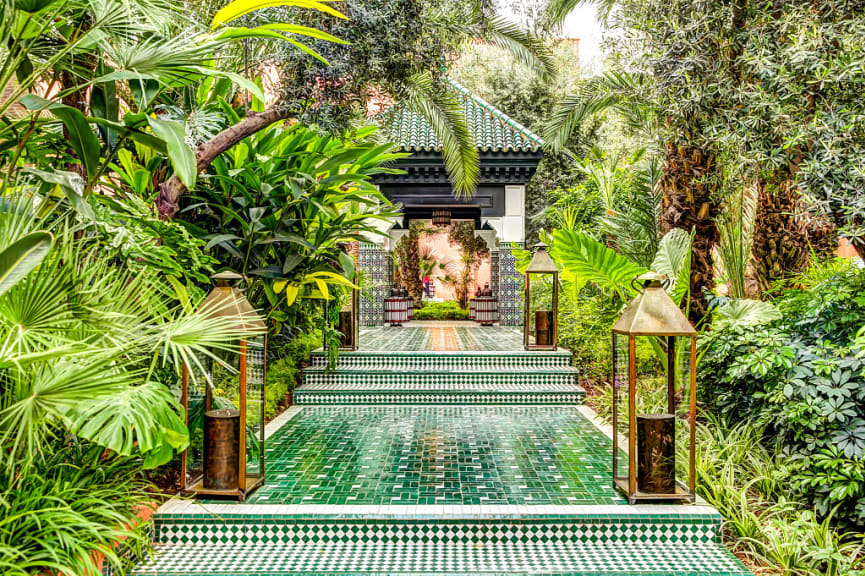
(476, 377)
(423, 463)
(272, 540)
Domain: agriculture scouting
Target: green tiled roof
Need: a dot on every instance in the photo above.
(492, 129)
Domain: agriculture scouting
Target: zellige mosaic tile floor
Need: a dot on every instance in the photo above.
(415, 455)
(441, 337)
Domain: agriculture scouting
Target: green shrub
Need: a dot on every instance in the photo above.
(802, 377)
(72, 502)
(283, 370)
(448, 310)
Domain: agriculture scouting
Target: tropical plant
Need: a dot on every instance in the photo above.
(701, 69)
(404, 62)
(72, 507)
(278, 206)
(797, 368)
(83, 338)
(97, 72)
(91, 347)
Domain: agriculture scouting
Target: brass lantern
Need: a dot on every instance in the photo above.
(644, 467)
(541, 326)
(224, 411)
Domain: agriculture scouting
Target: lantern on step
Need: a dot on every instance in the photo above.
(541, 326)
(644, 461)
(224, 409)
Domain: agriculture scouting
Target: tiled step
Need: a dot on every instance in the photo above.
(467, 360)
(312, 525)
(337, 394)
(432, 558)
(376, 386)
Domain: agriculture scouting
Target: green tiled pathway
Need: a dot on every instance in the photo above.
(441, 337)
(436, 450)
(438, 455)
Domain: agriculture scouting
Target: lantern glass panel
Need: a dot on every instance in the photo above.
(255, 376)
(620, 408)
(197, 402)
(541, 315)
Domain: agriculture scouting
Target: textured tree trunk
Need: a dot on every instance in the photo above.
(689, 203)
(171, 190)
(785, 235)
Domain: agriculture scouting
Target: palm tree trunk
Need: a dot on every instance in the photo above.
(689, 203)
(785, 234)
(171, 190)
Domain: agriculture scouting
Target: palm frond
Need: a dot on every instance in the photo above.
(571, 112)
(556, 11)
(529, 49)
(620, 91)
(445, 114)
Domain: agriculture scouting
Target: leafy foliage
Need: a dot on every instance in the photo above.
(76, 503)
(802, 375)
(278, 206)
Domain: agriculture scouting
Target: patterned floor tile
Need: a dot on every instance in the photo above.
(561, 558)
(441, 337)
(438, 455)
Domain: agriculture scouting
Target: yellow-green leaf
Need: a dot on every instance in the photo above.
(238, 8)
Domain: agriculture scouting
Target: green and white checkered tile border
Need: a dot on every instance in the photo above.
(317, 530)
(474, 361)
(336, 397)
(440, 380)
(415, 558)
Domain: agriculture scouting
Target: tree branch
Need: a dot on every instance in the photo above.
(172, 189)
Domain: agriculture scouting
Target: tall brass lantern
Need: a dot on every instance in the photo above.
(225, 410)
(541, 325)
(644, 468)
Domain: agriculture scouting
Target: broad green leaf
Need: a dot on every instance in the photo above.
(322, 287)
(219, 239)
(238, 8)
(304, 48)
(744, 314)
(673, 260)
(332, 277)
(182, 157)
(20, 258)
(70, 183)
(589, 260)
(130, 418)
(302, 31)
(81, 138)
(239, 79)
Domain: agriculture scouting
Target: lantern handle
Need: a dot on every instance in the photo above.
(648, 278)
